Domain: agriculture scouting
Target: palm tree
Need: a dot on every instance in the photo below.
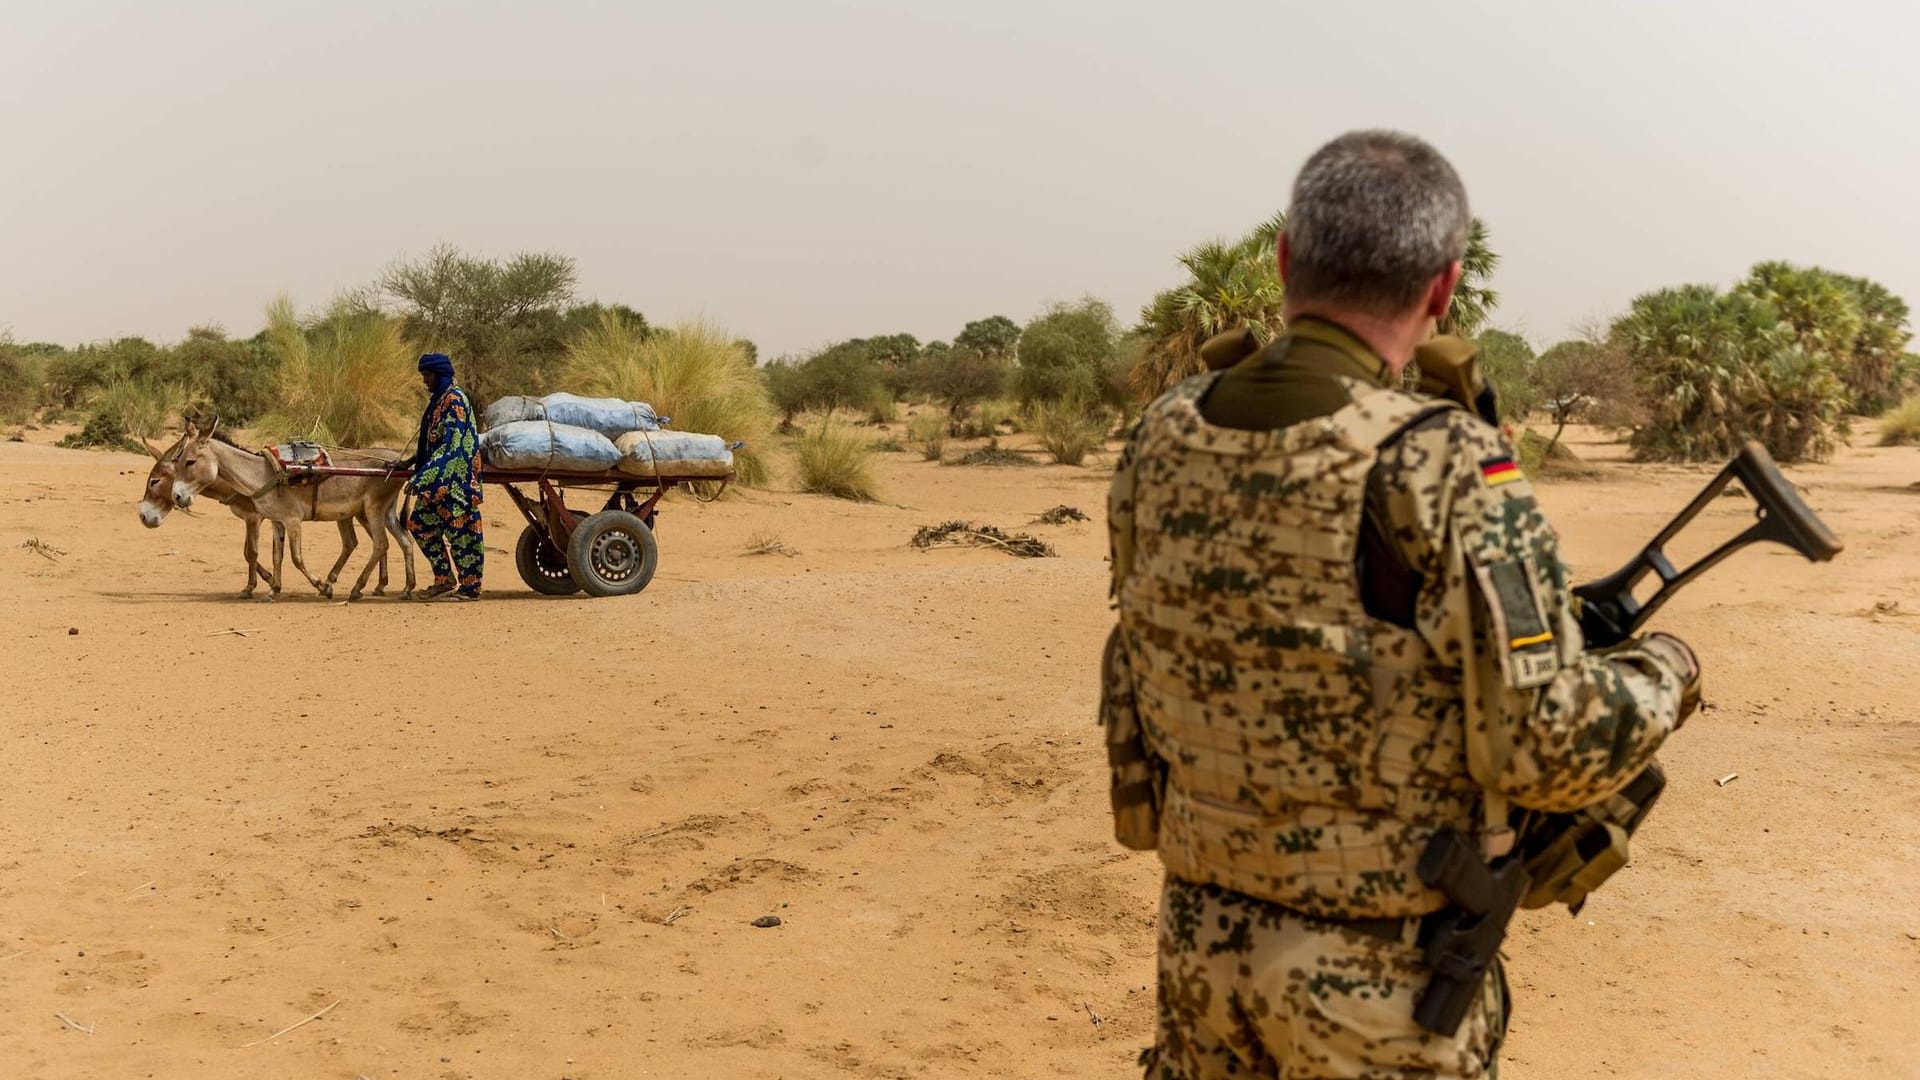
(1473, 301)
(1229, 285)
(1233, 285)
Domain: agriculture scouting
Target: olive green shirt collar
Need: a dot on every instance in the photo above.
(1346, 353)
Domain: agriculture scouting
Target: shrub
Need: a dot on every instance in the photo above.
(786, 389)
(882, 409)
(20, 383)
(102, 429)
(74, 377)
(1901, 424)
(930, 431)
(836, 461)
(1064, 352)
(1507, 362)
(1718, 369)
(697, 375)
(233, 380)
(1067, 430)
(345, 379)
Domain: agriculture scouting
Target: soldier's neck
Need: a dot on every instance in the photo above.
(1392, 339)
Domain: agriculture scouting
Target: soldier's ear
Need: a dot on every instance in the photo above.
(1283, 257)
(1440, 292)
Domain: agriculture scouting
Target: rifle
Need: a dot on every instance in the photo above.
(1565, 856)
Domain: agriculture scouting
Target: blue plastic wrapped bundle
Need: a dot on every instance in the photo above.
(541, 446)
(674, 453)
(608, 416)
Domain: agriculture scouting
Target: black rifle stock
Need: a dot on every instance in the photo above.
(1609, 613)
(1461, 940)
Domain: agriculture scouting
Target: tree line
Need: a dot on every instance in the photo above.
(1785, 355)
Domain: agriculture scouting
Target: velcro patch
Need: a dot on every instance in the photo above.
(1520, 629)
(1500, 470)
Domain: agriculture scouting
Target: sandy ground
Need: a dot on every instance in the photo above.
(526, 838)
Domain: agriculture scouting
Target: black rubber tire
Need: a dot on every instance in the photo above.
(612, 553)
(542, 566)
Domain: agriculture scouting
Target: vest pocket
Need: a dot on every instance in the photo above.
(1422, 723)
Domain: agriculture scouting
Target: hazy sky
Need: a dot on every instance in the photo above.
(803, 171)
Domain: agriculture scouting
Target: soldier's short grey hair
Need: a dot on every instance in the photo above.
(1375, 215)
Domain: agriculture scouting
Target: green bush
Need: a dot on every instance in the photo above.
(1067, 430)
(1065, 353)
(20, 383)
(1507, 362)
(837, 461)
(696, 374)
(1900, 426)
(104, 430)
(74, 377)
(126, 412)
(236, 381)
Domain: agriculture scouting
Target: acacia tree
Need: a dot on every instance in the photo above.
(994, 337)
(500, 320)
(1585, 378)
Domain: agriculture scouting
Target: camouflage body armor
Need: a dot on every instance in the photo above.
(1310, 750)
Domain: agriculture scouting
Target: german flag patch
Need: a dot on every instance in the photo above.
(1500, 470)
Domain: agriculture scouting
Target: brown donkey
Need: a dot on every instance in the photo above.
(255, 490)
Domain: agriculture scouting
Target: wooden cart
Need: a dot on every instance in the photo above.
(605, 552)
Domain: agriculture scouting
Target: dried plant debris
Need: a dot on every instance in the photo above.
(768, 544)
(1060, 515)
(968, 534)
(43, 549)
(993, 454)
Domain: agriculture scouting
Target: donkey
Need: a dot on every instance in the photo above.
(256, 490)
(158, 501)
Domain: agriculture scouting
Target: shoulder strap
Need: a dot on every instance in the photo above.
(1377, 417)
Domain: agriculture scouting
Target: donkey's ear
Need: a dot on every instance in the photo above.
(158, 454)
(215, 427)
(190, 431)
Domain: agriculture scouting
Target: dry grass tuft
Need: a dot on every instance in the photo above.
(1900, 425)
(696, 374)
(766, 543)
(837, 461)
(346, 379)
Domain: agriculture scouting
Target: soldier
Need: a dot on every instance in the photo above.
(1343, 625)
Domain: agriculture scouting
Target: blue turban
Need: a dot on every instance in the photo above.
(441, 366)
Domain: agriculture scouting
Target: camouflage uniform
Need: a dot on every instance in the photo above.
(1288, 733)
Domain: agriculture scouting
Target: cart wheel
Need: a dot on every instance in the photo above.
(542, 566)
(612, 554)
